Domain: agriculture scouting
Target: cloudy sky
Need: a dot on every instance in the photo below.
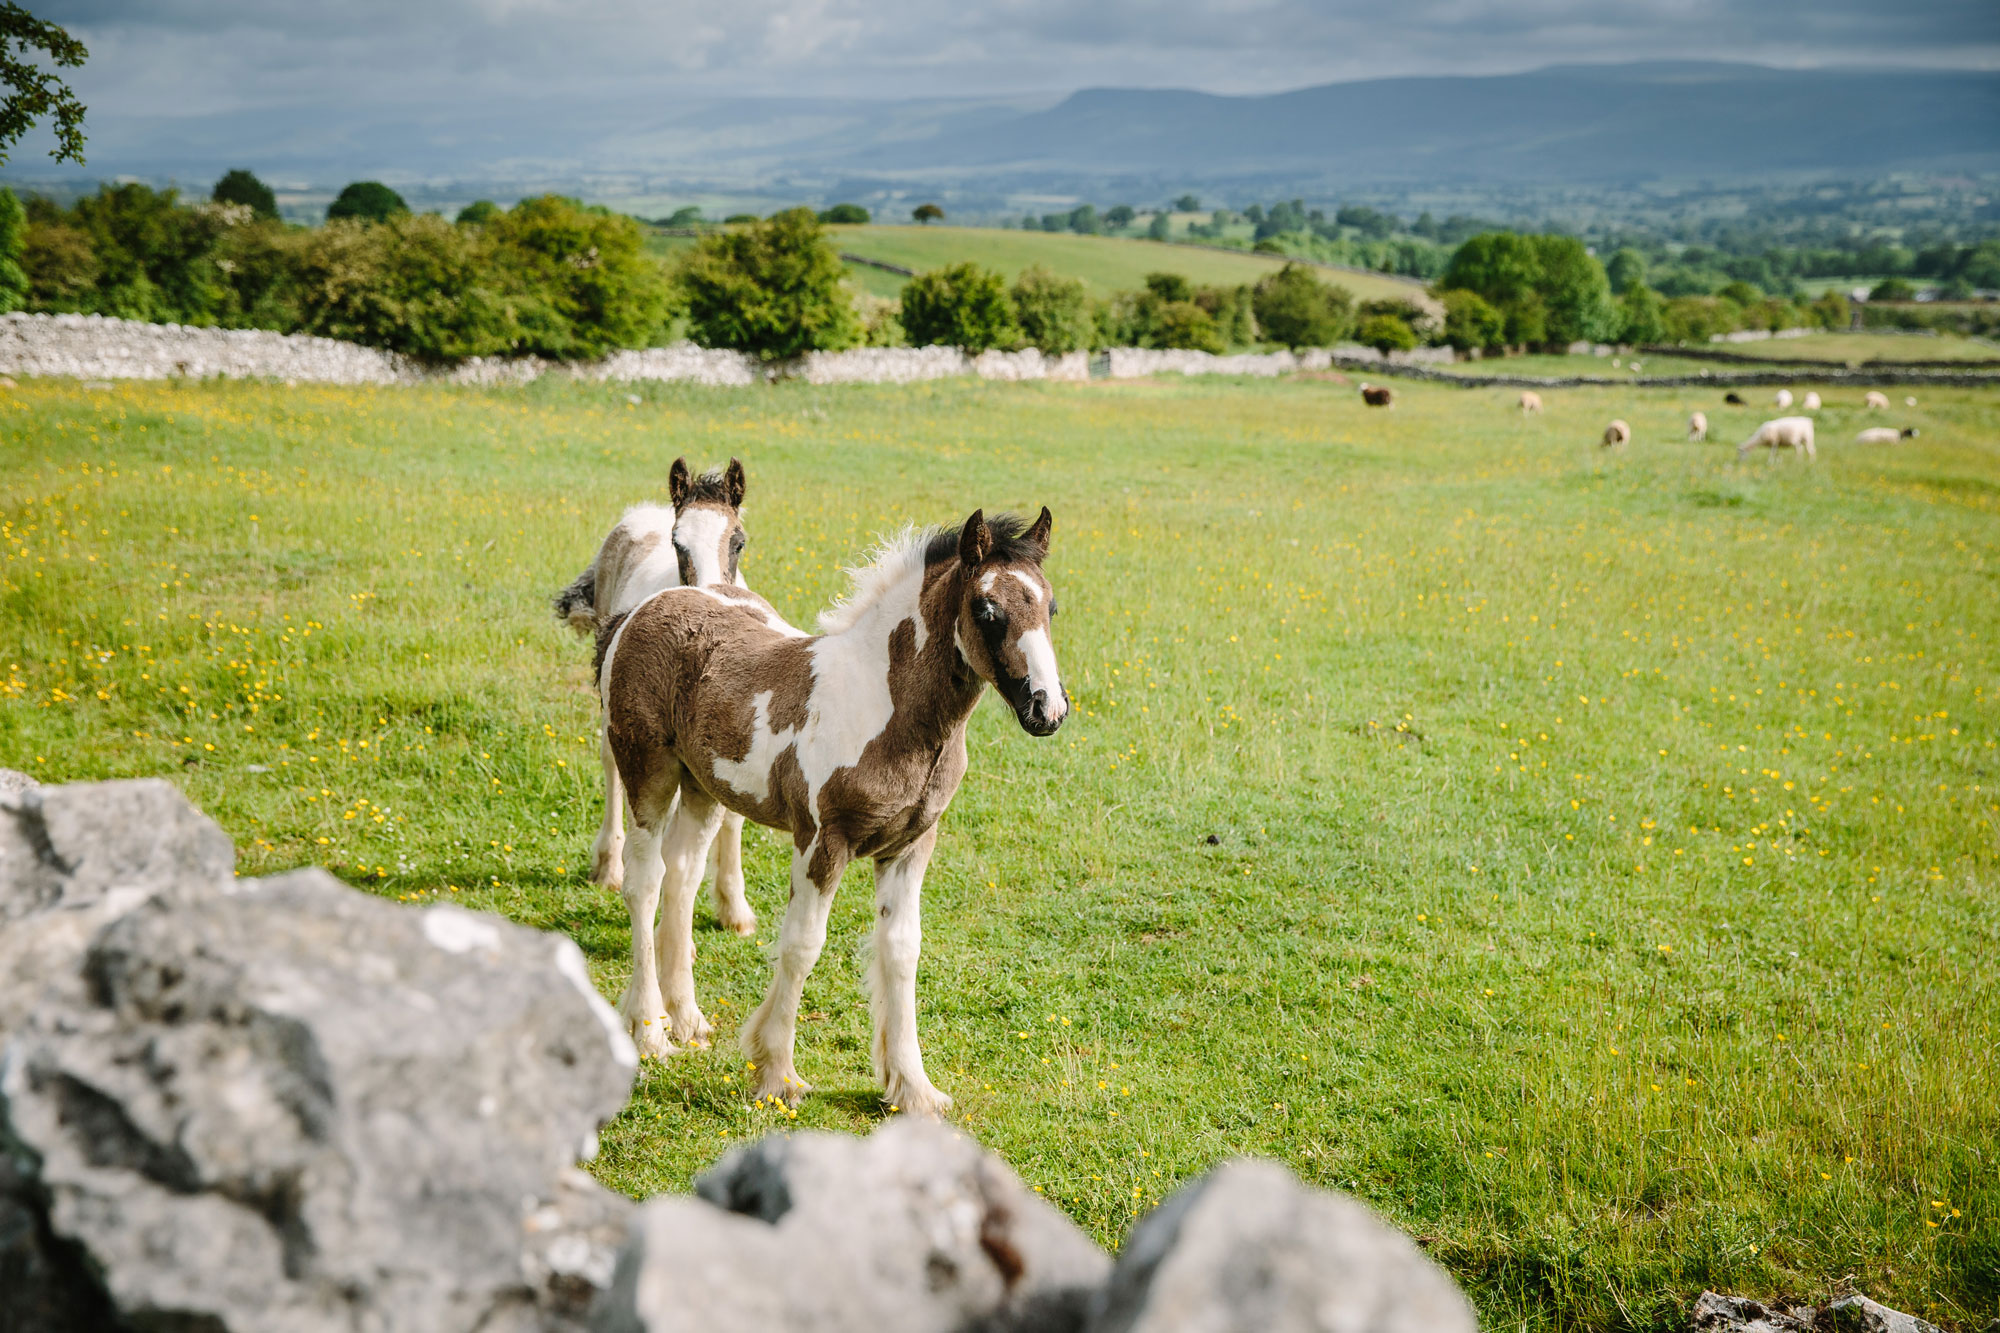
(182, 57)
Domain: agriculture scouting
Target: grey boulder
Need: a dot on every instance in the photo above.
(1248, 1249)
(1716, 1313)
(915, 1229)
(287, 1104)
(1861, 1315)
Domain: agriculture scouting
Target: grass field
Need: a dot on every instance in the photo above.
(1860, 347)
(1588, 859)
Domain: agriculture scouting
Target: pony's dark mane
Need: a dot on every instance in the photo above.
(711, 487)
(1008, 547)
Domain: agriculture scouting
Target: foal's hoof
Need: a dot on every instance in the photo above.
(742, 923)
(610, 874)
(653, 1036)
(916, 1099)
(788, 1088)
(692, 1029)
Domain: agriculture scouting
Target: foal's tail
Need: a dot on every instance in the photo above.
(576, 605)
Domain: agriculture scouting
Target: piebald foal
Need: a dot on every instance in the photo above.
(852, 741)
(698, 541)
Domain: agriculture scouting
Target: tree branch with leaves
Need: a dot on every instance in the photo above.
(32, 93)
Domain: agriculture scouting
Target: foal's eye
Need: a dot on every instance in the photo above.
(985, 610)
(738, 542)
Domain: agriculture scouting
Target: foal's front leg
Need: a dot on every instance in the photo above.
(608, 852)
(769, 1032)
(892, 981)
(692, 829)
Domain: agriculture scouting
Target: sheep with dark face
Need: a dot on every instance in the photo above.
(1376, 396)
(1885, 435)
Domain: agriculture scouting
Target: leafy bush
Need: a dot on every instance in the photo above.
(1386, 333)
(1470, 320)
(369, 200)
(736, 218)
(1182, 324)
(963, 305)
(1166, 287)
(1119, 216)
(13, 244)
(578, 278)
(1642, 315)
(1053, 312)
(1891, 289)
(845, 214)
(1295, 308)
(927, 213)
(685, 216)
(1160, 228)
(415, 285)
(478, 213)
(772, 288)
(1832, 311)
(1084, 221)
(243, 187)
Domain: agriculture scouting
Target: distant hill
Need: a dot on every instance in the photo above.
(1562, 125)
(1565, 123)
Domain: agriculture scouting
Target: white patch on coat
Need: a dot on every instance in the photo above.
(1034, 588)
(656, 570)
(702, 529)
(728, 595)
(456, 930)
(1042, 672)
(569, 962)
(987, 580)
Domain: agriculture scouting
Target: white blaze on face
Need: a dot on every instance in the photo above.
(1042, 672)
(701, 530)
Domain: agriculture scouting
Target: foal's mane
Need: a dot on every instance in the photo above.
(909, 553)
(710, 487)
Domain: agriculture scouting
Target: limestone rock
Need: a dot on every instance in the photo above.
(912, 1230)
(1715, 1313)
(1858, 1314)
(1248, 1249)
(293, 1105)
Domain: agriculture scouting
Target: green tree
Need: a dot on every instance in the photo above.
(416, 285)
(1572, 285)
(1624, 268)
(1889, 289)
(1160, 228)
(1832, 311)
(31, 92)
(1083, 220)
(1642, 315)
(1295, 308)
(687, 215)
(845, 215)
(963, 306)
(243, 187)
(1165, 287)
(772, 288)
(1183, 325)
(13, 245)
(1499, 265)
(1470, 320)
(1119, 216)
(1053, 311)
(578, 278)
(1188, 203)
(1741, 293)
(60, 266)
(371, 201)
(1386, 333)
(478, 213)
(926, 214)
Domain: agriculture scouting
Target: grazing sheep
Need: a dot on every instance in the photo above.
(1636, 367)
(1811, 403)
(1910, 401)
(1376, 397)
(1885, 435)
(1781, 433)
(1617, 433)
(1698, 426)
(1735, 399)
(1530, 401)
(1876, 400)
(1783, 398)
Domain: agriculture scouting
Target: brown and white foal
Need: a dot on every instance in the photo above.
(852, 741)
(698, 541)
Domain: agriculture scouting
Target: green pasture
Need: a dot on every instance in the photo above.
(1588, 859)
(1862, 347)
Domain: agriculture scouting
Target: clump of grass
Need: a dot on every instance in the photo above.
(1596, 879)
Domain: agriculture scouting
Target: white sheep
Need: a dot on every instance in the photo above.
(1876, 400)
(1782, 433)
(1811, 403)
(1910, 400)
(1617, 433)
(1530, 401)
(1885, 435)
(1698, 426)
(1784, 398)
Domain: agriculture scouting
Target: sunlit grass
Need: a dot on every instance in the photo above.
(1589, 859)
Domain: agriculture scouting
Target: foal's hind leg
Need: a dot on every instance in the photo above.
(644, 1012)
(768, 1033)
(688, 836)
(732, 909)
(608, 852)
(892, 981)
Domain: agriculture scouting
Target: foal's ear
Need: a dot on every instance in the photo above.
(975, 539)
(677, 482)
(1038, 535)
(734, 480)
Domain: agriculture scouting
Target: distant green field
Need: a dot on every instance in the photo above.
(1856, 348)
(1587, 858)
(1106, 264)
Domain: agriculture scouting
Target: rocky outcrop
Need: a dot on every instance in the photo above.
(241, 1104)
(1852, 1313)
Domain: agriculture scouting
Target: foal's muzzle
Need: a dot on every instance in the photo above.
(1039, 715)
